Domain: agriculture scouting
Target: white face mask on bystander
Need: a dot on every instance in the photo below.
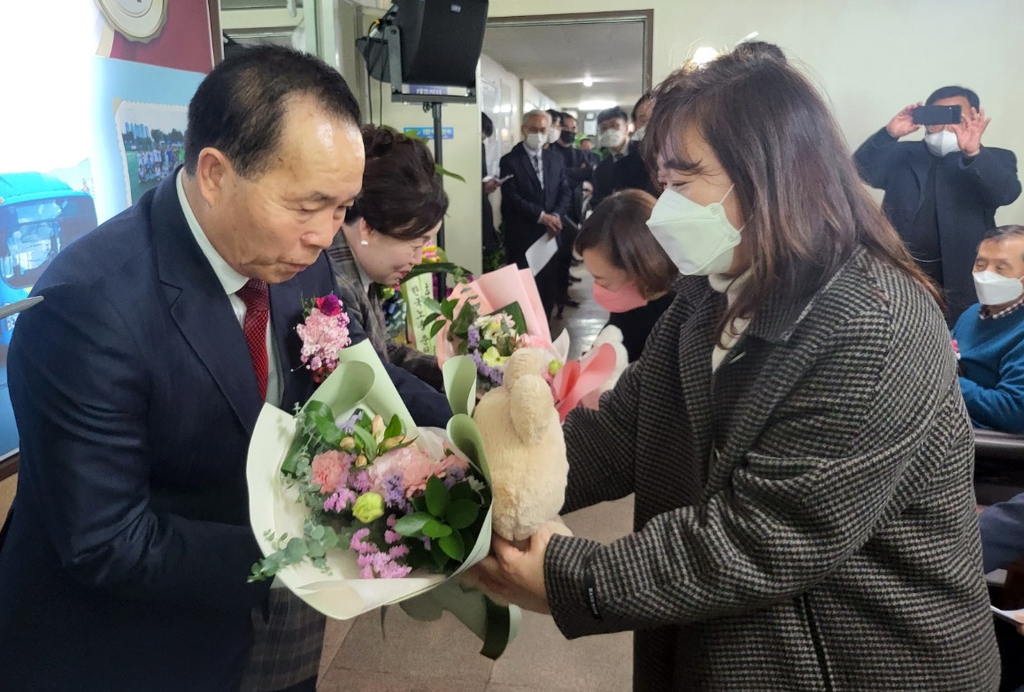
(996, 289)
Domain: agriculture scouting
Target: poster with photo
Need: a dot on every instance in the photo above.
(101, 89)
(151, 141)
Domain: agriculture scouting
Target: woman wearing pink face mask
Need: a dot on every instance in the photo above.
(633, 276)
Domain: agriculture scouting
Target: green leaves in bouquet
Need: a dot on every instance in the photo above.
(314, 544)
(449, 518)
(444, 313)
(515, 312)
(458, 273)
(317, 432)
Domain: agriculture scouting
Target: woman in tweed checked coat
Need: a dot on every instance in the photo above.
(794, 431)
(398, 212)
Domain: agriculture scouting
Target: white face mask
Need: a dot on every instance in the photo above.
(941, 143)
(638, 136)
(995, 289)
(699, 240)
(554, 135)
(535, 141)
(611, 139)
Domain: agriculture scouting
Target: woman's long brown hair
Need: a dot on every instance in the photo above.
(804, 206)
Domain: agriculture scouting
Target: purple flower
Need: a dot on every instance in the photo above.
(361, 482)
(340, 501)
(361, 544)
(349, 425)
(329, 305)
(454, 474)
(473, 337)
(394, 491)
(492, 374)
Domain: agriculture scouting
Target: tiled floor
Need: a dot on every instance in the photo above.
(412, 656)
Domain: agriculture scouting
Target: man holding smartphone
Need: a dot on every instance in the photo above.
(942, 192)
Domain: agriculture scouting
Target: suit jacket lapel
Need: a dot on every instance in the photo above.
(285, 313)
(532, 176)
(200, 308)
(550, 182)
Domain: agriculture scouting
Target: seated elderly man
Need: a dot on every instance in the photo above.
(990, 336)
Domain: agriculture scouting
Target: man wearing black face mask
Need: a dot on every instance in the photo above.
(578, 166)
(941, 194)
(578, 169)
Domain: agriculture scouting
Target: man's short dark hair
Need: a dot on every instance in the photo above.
(239, 108)
(1001, 233)
(1004, 232)
(611, 114)
(952, 92)
(556, 117)
(648, 96)
(486, 125)
(565, 115)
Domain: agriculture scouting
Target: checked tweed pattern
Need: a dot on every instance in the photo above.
(805, 517)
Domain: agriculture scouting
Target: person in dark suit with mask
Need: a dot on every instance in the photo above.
(534, 200)
(941, 194)
(136, 386)
(623, 167)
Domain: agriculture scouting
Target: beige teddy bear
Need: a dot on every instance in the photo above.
(525, 447)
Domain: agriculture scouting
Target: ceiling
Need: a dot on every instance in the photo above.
(556, 57)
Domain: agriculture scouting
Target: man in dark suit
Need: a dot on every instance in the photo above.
(622, 166)
(534, 200)
(941, 194)
(137, 383)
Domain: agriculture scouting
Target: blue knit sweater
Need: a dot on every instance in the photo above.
(992, 367)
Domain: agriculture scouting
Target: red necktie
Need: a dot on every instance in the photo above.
(256, 297)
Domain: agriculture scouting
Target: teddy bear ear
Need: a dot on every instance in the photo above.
(531, 406)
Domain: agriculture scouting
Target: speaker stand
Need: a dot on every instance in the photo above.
(435, 108)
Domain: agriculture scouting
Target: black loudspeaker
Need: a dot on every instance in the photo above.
(441, 40)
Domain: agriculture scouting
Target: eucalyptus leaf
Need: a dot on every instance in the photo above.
(295, 550)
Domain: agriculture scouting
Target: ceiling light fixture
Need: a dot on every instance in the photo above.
(596, 105)
(704, 55)
(588, 81)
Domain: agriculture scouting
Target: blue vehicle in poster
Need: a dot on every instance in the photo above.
(39, 214)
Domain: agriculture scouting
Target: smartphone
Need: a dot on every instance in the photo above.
(937, 115)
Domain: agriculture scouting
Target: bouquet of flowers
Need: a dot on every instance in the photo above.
(501, 312)
(355, 508)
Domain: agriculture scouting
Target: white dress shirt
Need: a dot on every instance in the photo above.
(232, 281)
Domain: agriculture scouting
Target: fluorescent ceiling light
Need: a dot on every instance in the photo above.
(596, 105)
(588, 81)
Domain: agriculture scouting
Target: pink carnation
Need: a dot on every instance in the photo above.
(415, 465)
(328, 470)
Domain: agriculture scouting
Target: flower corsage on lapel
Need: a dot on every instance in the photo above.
(324, 332)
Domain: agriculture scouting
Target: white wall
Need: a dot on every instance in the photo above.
(872, 57)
